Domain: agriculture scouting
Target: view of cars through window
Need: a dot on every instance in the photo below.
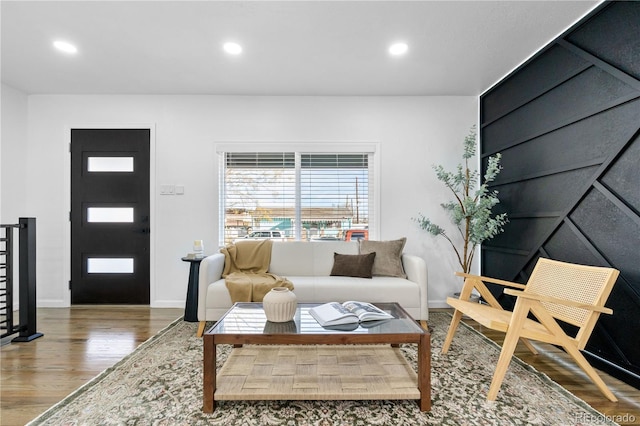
(347, 235)
(295, 195)
(263, 235)
(356, 234)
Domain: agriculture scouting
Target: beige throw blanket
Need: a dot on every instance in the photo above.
(245, 271)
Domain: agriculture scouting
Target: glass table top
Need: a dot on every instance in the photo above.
(249, 318)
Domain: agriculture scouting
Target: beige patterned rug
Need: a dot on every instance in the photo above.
(160, 383)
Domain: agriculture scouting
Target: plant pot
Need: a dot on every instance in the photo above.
(280, 304)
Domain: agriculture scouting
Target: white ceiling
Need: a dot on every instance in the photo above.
(290, 47)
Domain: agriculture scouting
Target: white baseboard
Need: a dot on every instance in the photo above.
(438, 304)
(167, 304)
(52, 303)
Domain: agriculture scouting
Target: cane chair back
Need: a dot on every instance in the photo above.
(588, 285)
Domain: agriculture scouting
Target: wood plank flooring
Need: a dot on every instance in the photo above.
(78, 344)
(82, 341)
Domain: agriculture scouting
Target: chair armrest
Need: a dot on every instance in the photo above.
(550, 299)
(477, 282)
(211, 269)
(416, 269)
(492, 280)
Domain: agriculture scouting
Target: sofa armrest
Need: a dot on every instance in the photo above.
(211, 269)
(416, 269)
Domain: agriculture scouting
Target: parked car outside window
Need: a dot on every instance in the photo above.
(356, 234)
(325, 238)
(264, 235)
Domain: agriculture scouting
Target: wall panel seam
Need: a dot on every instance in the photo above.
(518, 252)
(538, 95)
(584, 239)
(570, 121)
(581, 195)
(601, 64)
(534, 215)
(612, 344)
(550, 172)
(619, 203)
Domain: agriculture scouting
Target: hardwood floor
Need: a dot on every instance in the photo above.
(78, 344)
(82, 341)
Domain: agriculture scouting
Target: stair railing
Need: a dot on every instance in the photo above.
(26, 325)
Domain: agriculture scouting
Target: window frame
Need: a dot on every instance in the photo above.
(371, 148)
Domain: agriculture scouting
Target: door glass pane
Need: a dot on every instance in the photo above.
(110, 164)
(110, 214)
(100, 265)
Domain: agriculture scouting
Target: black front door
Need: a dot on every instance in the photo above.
(110, 216)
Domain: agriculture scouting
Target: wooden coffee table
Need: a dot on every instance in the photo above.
(384, 371)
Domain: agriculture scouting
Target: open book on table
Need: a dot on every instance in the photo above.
(334, 313)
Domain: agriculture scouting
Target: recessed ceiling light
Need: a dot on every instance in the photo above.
(398, 49)
(65, 46)
(232, 48)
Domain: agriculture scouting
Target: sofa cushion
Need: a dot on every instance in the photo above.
(307, 258)
(333, 289)
(291, 258)
(324, 289)
(353, 265)
(388, 261)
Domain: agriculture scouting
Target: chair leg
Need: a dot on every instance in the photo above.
(506, 354)
(518, 318)
(529, 346)
(201, 326)
(569, 346)
(593, 375)
(457, 316)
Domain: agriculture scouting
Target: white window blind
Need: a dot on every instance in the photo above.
(304, 196)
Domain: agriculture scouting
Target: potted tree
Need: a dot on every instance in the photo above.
(471, 208)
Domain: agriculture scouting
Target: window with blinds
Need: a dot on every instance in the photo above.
(294, 195)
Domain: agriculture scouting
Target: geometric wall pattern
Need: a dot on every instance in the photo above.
(567, 123)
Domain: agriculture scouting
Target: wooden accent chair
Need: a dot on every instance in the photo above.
(574, 294)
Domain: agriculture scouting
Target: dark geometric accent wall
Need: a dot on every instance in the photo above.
(567, 123)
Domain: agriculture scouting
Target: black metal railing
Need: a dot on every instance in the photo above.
(6, 280)
(26, 324)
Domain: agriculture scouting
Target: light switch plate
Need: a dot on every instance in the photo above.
(167, 189)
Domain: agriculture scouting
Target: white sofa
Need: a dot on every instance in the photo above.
(308, 266)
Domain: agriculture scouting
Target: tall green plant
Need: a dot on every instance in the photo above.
(471, 209)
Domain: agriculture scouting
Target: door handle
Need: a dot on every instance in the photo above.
(145, 231)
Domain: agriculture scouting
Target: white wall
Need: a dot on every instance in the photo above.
(13, 154)
(13, 160)
(413, 133)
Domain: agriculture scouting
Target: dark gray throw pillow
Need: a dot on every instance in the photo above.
(353, 265)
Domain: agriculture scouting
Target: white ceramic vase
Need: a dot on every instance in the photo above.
(280, 304)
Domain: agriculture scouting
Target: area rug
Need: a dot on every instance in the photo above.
(160, 383)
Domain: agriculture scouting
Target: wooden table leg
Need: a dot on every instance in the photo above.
(424, 372)
(209, 374)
